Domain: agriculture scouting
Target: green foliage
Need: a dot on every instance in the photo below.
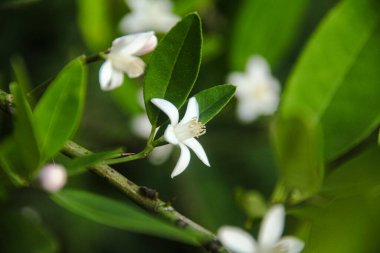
(174, 65)
(211, 101)
(117, 214)
(35, 237)
(20, 153)
(267, 28)
(95, 23)
(59, 110)
(81, 164)
(335, 80)
(297, 141)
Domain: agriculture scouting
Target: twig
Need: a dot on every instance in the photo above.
(136, 193)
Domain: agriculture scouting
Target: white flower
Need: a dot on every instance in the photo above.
(52, 177)
(269, 241)
(258, 92)
(182, 133)
(141, 126)
(149, 15)
(123, 58)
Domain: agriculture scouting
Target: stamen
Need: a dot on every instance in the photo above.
(190, 129)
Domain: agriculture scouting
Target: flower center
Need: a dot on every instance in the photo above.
(190, 129)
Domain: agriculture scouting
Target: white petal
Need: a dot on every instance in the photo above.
(192, 111)
(134, 67)
(160, 154)
(236, 239)
(168, 108)
(194, 145)
(141, 126)
(135, 44)
(290, 244)
(170, 135)
(272, 226)
(258, 66)
(183, 161)
(247, 111)
(109, 78)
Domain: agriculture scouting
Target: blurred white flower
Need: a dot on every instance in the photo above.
(123, 58)
(141, 127)
(258, 92)
(269, 241)
(52, 177)
(182, 133)
(146, 15)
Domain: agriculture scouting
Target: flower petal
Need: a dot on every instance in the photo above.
(170, 135)
(258, 66)
(272, 226)
(194, 145)
(135, 44)
(168, 108)
(183, 161)
(109, 77)
(192, 111)
(160, 154)
(290, 244)
(236, 239)
(133, 66)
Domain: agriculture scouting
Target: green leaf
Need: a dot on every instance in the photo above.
(211, 101)
(174, 66)
(267, 28)
(336, 79)
(21, 73)
(117, 214)
(81, 164)
(297, 141)
(20, 234)
(360, 175)
(59, 110)
(24, 135)
(95, 23)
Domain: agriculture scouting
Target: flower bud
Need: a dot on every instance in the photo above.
(52, 177)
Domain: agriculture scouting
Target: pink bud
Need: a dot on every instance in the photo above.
(52, 177)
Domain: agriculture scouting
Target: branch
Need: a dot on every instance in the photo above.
(143, 196)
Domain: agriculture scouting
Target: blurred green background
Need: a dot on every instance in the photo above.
(43, 35)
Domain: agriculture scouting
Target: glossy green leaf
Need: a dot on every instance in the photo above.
(174, 66)
(95, 23)
(339, 226)
(336, 79)
(117, 214)
(21, 234)
(59, 110)
(360, 175)
(81, 164)
(211, 101)
(298, 146)
(267, 28)
(21, 73)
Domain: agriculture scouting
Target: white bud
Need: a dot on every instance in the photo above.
(52, 177)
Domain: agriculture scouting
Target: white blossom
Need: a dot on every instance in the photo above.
(52, 177)
(257, 91)
(124, 58)
(183, 133)
(269, 240)
(141, 126)
(146, 15)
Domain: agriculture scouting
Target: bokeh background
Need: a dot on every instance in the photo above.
(41, 36)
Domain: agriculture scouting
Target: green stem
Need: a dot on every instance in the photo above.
(134, 192)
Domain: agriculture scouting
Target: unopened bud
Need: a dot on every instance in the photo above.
(52, 177)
